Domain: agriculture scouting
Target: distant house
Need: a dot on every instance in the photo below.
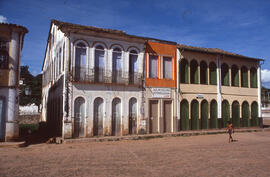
(11, 44)
(100, 82)
(265, 103)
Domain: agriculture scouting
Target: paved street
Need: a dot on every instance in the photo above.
(206, 155)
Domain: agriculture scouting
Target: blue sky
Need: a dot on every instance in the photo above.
(240, 26)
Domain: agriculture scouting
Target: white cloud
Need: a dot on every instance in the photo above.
(265, 75)
(3, 19)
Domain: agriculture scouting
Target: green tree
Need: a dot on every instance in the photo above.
(34, 83)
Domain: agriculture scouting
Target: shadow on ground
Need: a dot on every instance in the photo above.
(41, 135)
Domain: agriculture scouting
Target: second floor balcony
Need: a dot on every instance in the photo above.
(100, 75)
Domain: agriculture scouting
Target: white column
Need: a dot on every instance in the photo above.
(177, 86)
(259, 91)
(218, 88)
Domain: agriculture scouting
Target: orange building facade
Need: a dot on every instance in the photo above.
(160, 87)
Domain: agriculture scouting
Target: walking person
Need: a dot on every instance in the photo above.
(230, 130)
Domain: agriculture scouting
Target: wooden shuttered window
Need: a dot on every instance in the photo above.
(253, 78)
(203, 73)
(213, 73)
(225, 74)
(235, 75)
(184, 71)
(194, 74)
(244, 77)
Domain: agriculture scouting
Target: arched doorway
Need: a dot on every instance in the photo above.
(116, 117)
(213, 114)
(244, 77)
(253, 78)
(184, 113)
(245, 114)
(203, 73)
(225, 74)
(204, 114)
(98, 117)
(194, 75)
(194, 115)
(235, 76)
(225, 112)
(213, 73)
(2, 119)
(184, 71)
(236, 114)
(132, 123)
(254, 114)
(79, 117)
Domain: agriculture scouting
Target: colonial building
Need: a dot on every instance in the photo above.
(99, 82)
(216, 86)
(160, 86)
(11, 44)
(92, 81)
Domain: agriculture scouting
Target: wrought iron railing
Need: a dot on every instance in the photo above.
(99, 75)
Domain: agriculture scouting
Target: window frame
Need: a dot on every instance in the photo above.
(162, 67)
(148, 67)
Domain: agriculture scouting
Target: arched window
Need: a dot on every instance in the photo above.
(184, 113)
(245, 114)
(184, 71)
(244, 77)
(203, 73)
(225, 111)
(194, 115)
(98, 117)
(225, 74)
(194, 72)
(133, 67)
(99, 63)
(213, 73)
(79, 117)
(117, 64)
(254, 114)
(213, 114)
(80, 61)
(236, 114)
(204, 114)
(116, 117)
(235, 75)
(253, 77)
(132, 126)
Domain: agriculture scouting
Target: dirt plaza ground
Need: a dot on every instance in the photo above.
(205, 155)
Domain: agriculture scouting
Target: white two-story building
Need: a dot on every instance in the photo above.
(92, 81)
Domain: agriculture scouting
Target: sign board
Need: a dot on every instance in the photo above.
(161, 92)
(200, 96)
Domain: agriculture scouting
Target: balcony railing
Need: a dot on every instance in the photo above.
(99, 75)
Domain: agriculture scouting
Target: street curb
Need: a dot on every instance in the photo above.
(152, 136)
(12, 144)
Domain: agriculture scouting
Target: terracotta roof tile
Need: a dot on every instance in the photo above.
(213, 51)
(15, 25)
